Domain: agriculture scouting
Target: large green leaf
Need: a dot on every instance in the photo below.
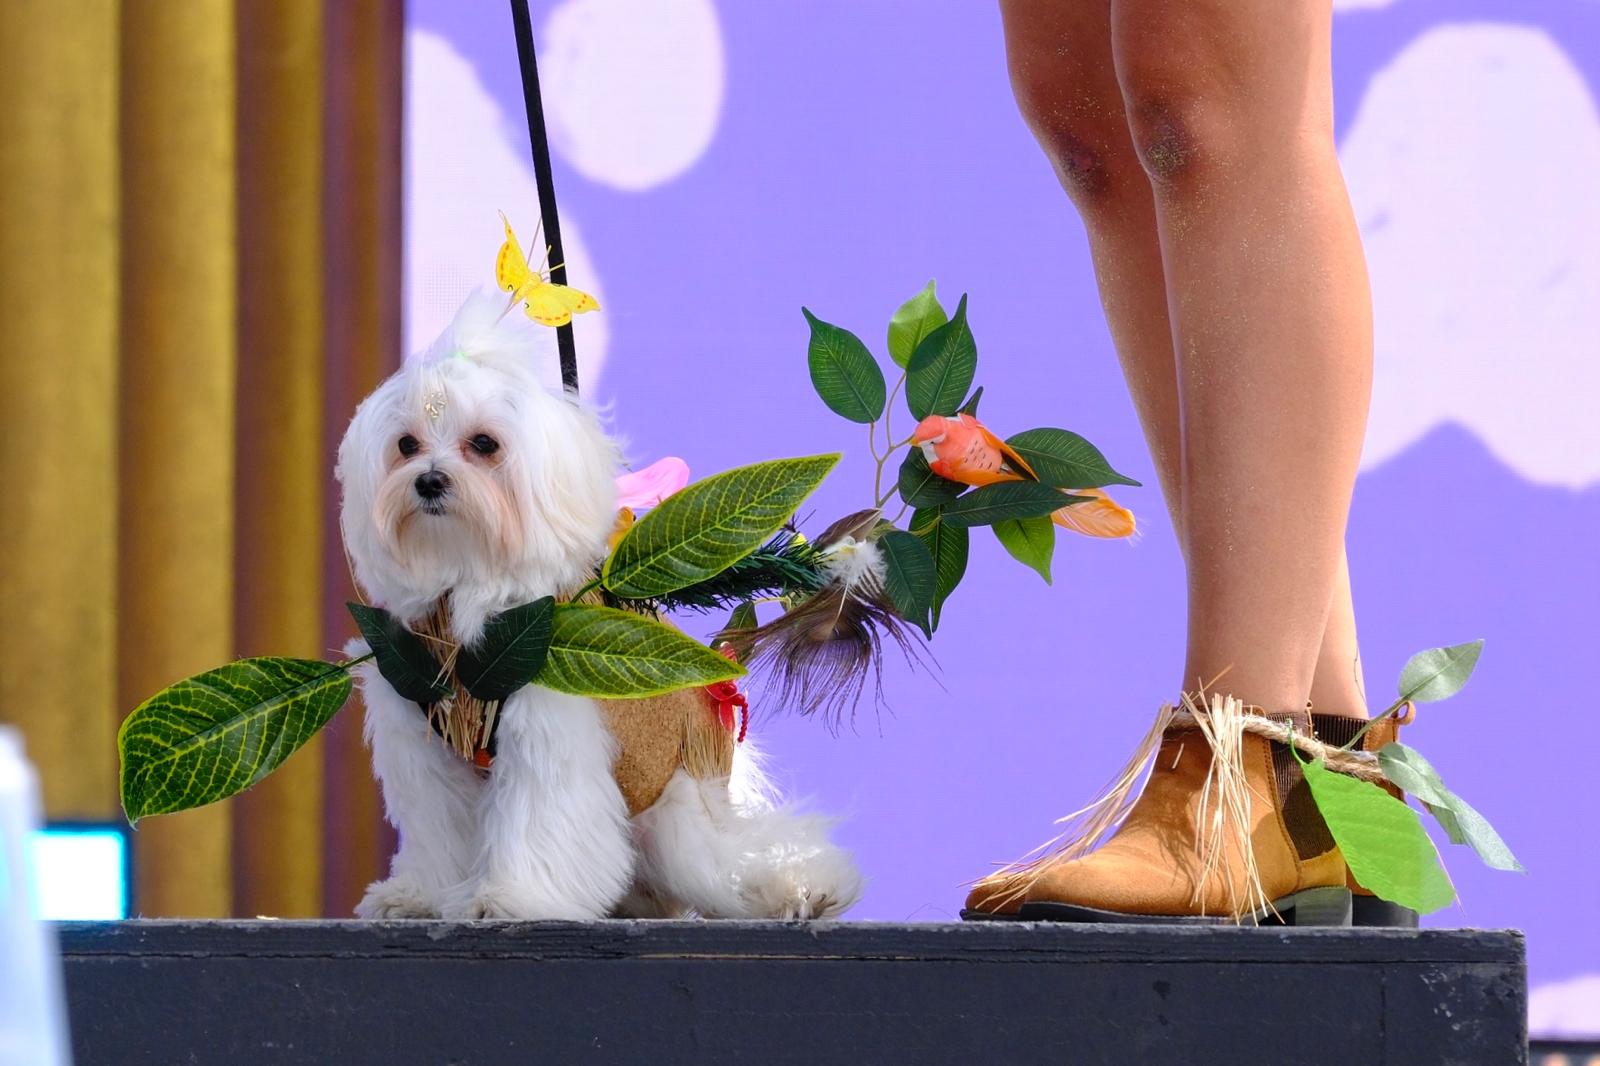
(1008, 499)
(214, 735)
(1031, 542)
(1382, 839)
(403, 659)
(1065, 460)
(608, 653)
(510, 653)
(909, 577)
(942, 368)
(948, 545)
(916, 318)
(1438, 673)
(921, 487)
(843, 372)
(1407, 768)
(700, 531)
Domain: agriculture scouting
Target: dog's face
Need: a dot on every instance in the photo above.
(468, 475)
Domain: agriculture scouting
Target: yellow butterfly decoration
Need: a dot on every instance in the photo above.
(548, 304)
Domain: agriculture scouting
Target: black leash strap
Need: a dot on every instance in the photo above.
(541, 176)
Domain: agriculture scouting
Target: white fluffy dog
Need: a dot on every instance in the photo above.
(467, 482)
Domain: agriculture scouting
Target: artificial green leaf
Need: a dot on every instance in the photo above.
(403, 659)
(948, 546)
(1438, 673)
(1031, 541)
(916, 318)
(942, 368)
(510, 653)
(609, 653)
(1413, 774)
(844, 373)
(1382, 840)
(971, 406)
(214, 735)
(741, 618)
(702, 530)
(921, 487)
(1007, 499)
(1065, 460)
(909, 577)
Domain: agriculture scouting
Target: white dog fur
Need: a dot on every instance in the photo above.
(546, 834)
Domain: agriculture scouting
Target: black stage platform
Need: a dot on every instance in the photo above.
(243, 993)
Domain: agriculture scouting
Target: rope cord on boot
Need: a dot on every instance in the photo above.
(1361, 764)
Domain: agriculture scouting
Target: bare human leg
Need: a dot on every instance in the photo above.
(1062, 72)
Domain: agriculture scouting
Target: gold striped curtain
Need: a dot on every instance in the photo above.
(199, 278)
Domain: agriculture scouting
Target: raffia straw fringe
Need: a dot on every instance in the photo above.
(1224, 809)
(460, 719)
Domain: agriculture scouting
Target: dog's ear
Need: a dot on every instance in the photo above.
(572, 481)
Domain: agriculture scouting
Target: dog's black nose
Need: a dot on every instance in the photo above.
(432, 484)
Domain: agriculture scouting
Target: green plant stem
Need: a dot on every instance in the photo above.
(888, 436)
(888, 406)
(878, 495)
(1353, 741)
(581, 593)
(357, 661)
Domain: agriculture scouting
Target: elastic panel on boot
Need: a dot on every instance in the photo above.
(1336, 729)
(1307, 831)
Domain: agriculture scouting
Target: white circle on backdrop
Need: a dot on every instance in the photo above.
(632, 88)
(461, 169)
(1473, 164)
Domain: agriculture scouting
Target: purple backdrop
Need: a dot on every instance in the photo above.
(840, 154)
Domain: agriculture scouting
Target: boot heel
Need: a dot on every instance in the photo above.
(1372, 911)
(1318, 906)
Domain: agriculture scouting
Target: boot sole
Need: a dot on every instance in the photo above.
(1330, 906)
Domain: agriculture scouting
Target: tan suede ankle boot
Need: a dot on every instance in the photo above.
(1367, 909)
(1206, 841)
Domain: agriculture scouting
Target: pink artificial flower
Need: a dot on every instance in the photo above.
(639, 489)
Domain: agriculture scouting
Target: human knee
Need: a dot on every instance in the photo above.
(1180, 132)
(1083, 134)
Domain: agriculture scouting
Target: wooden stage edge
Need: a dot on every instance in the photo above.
(247, 992)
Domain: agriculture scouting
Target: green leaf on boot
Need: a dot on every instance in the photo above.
(916, 318)
(921, 487)
(910, 578)
(1382, 839)
(609, 653)
(1007, 499)
(844, 373)
(1030, 541)
(1438, 673)
(510, 653)
(942, 368)
(700, 531)
(1413, 774)
(1064, 460)
(948, 545)
(403, 659)
(214, 735)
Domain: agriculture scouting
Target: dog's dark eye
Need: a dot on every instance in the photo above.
(409, 445)
(484, 444)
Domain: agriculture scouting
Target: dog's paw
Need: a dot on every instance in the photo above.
(398, 897)
(493, 900)
(825, 884)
